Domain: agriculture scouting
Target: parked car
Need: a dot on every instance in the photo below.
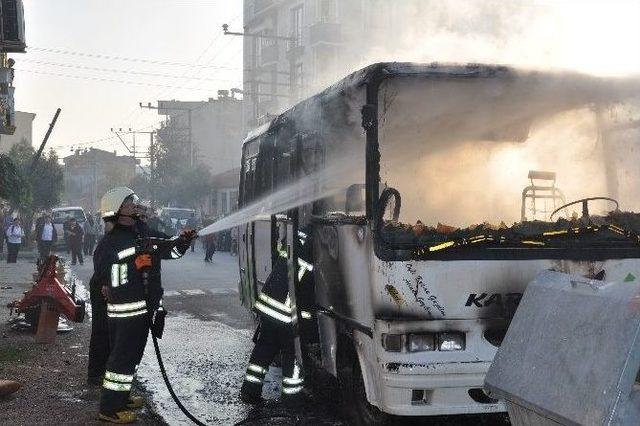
(177, 216)
(60, 215)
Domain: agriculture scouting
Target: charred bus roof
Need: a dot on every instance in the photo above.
(376, 73)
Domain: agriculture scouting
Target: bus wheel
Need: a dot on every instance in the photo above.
(356, 408)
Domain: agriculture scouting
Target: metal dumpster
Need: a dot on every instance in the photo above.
(571, 355)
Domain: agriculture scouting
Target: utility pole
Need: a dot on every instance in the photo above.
(189, 124)
(44, 141)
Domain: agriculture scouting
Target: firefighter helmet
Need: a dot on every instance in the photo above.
(113, 199)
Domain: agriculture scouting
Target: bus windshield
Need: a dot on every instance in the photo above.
(496, 157)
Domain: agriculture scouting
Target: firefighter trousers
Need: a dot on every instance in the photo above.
(128, 337)
(274, 337)
(99, 344)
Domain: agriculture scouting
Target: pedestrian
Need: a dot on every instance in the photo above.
(275, 333)
(2, 214)
(6, 222)
(192, 223)
(46, 236)
(89, 235)
(65, 231)
(14, 235)
(118, 267)
(210, 247)
(74, 240)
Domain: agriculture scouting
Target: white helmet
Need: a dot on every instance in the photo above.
(113, 199)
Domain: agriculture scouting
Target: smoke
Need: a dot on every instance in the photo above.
(595, 37)
(459, 151)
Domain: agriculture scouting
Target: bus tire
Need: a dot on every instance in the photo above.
(356, 409)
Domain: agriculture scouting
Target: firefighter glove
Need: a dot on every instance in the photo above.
(143, 261)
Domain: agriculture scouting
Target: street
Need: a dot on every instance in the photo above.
(206, 346)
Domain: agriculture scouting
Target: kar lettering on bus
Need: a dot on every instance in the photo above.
(484, 299)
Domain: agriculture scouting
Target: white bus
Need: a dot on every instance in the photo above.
(436, 193)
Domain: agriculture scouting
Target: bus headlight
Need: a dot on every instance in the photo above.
(421, 342)
(392, 342)
(451, 341)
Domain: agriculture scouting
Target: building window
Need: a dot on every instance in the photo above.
(327, 11)
(297, 19)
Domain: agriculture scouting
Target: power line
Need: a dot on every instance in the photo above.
(120, 58)
(116, 70)
(109, 80)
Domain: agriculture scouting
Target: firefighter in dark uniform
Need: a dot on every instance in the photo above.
(118, 267)
(275, 333)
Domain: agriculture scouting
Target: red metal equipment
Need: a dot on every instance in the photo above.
(52, 297)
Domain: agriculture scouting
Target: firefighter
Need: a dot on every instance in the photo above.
(118, 267)
(275, 331)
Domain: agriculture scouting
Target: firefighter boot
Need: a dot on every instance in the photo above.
(250, 393)
(121, 417)
(135, 402)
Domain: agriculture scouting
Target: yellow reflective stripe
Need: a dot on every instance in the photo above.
(535, 243)
(551, 233)
(442, 246)
(125, 378)
(290, 381)
(126, 253)
(273, 314)
(127, 314)
(118, 387)
(257, 369)
(115, 275)
(290, 391)
(305, 314)
(251, 378)
(123, 274)
(122, 307)
(175, 253)
(273, 302)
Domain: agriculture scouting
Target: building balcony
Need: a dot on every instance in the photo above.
(294, 50)
(325, 32)
(260, 5)
(269, 54)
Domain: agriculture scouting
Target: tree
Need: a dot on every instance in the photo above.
(37, 189)
(172, 181)
(10, 178)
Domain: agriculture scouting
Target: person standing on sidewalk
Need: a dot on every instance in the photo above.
(14, 240)
(74, 239)
(46, 236)
(89, 235)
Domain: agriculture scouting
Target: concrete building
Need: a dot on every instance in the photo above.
(90, 173)
(23, 130)
(294, 48)
(215, 130)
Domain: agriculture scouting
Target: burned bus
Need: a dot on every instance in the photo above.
(436, 193)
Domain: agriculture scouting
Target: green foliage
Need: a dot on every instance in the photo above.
(172, 181)
(10, 178)
(41, 188)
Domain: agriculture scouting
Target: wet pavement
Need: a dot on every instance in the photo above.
(206, 346)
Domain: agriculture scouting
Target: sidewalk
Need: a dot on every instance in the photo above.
(53, 377)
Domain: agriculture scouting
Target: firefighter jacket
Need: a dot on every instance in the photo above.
(114, 263)
(274, 301)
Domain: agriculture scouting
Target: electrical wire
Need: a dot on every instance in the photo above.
(120, 58)
(116, 70)
(110, 80)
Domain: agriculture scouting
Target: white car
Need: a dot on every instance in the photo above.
(60, 215)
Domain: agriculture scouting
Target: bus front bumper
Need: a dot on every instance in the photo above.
(435, 389)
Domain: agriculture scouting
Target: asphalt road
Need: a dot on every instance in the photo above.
(206, 346)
